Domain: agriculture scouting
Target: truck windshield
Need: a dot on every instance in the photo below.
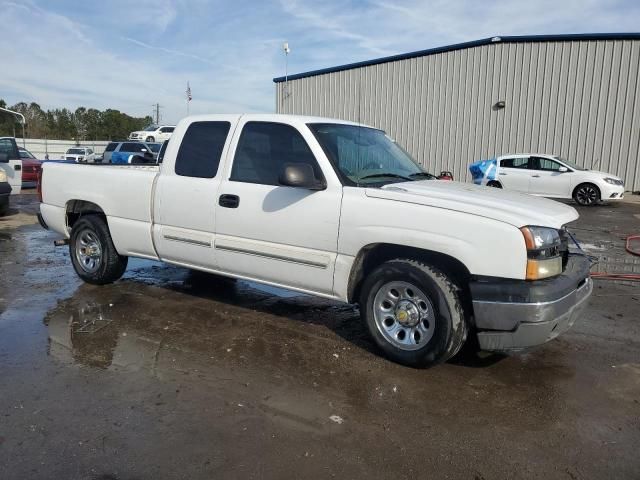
(75, 151)
(151, 128)
(366, 155)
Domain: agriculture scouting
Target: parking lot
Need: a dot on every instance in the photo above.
(170, 373)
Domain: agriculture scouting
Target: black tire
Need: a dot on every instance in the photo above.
(445, 299)
(494, 184)
(150, 139)
(110, 265)
(587, 194)
(4, 207)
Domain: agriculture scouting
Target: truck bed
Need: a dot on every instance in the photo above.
(124, 193)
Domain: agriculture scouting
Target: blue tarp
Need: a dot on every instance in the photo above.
(122, 157)
(483, 171)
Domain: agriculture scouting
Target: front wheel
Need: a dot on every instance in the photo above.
(93, 255)
(150, 139)
(586, 194)
(414, 313)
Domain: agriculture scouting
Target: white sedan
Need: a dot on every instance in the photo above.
(80, 155)
(547, 176)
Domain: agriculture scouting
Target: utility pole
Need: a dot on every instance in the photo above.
(157, 112)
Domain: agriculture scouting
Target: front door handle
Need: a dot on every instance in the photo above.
(17, 168)
(229, 201)
(502, 173)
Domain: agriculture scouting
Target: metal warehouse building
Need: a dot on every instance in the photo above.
(577, 96)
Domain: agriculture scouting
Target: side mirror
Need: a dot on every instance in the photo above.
(4, 157)
(563, 169)
(300, 175)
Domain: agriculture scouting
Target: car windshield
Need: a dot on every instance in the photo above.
(154, 147)
(570, 164)
(75, 151)
(366, 155)
(151, 128)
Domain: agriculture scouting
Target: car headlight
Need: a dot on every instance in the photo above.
(544, 256)
(3, 176)
(613, 181)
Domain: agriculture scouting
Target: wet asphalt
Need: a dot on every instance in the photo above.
(173, 374)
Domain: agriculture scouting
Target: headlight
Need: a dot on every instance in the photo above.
(613, 181)
(3, 176)
(544, 258)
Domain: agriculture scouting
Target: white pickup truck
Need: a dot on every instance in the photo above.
(338, 210)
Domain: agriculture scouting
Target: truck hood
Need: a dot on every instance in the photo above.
(509, 207)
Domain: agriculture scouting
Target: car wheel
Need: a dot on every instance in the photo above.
(414, 312)
(586, 194)
(4, 208)
(93, 254)
(494, 184)
(150, 139)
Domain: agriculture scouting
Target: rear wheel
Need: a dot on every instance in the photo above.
(586, 194)
(414, 312)
(93, 254)
(494, 184)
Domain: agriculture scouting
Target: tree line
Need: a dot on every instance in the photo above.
(64, 124)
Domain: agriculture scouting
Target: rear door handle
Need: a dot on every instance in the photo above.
(535, 176)
(502, 173)
(229, 201)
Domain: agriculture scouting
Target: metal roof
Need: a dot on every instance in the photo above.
(459, 46)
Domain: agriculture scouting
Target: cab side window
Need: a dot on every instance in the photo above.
(265, 148)
(7, 146)
(520, 162)
(201, 149)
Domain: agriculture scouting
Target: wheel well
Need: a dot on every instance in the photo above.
(491, 182)
(374, 255)
(78, 208)
(573, 194)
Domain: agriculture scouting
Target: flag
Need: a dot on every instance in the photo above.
(189, 97)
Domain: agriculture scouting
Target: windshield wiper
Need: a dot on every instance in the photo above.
(392, 175)
(423, 174)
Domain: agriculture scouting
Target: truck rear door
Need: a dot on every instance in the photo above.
(186, 192)
(13, 168)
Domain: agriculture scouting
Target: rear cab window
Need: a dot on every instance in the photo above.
(201, 149)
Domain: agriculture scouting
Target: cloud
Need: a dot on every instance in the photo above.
(128, 56)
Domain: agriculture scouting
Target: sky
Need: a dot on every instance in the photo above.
(130, 54)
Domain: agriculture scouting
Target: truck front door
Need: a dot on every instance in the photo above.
(278, 234)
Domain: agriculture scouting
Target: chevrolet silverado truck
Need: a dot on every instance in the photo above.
(338, 210)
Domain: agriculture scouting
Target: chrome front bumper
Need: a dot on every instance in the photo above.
(517, 325)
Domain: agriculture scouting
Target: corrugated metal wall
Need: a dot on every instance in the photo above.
(577, 99)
